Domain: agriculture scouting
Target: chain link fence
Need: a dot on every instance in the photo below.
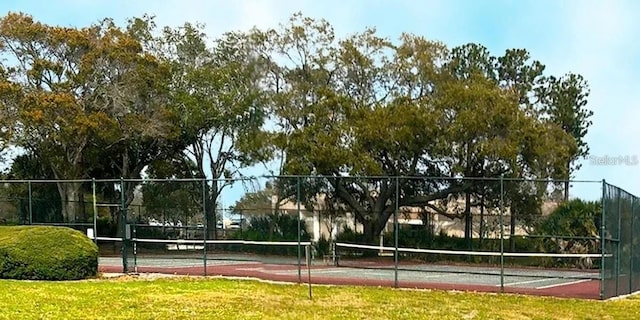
(395, 222)
(621, 245)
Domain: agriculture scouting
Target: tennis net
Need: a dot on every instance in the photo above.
(197, 253)
(471, 267)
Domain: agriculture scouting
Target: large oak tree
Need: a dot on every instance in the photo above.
(368, 106)
(80, 96)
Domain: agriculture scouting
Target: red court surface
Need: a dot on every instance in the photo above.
(583, 289)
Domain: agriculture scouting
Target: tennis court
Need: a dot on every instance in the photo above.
(591, 254)
(369, 272)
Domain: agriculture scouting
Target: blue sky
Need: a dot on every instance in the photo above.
(598, 39)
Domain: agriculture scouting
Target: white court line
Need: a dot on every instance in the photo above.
(563, 284)
(366, 274)
(433, 276)
(347, 272)
(528, 281)
(332, 271)
(251, 269)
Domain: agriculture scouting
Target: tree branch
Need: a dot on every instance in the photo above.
(440, 211)
(422, 200)
(344, 194)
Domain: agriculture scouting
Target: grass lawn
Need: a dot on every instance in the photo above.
(198, 298)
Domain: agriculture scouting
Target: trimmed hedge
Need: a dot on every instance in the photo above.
(46, 253)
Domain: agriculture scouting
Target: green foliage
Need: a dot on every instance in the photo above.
(566, 104)
(107, 101)
(46, 204)
(576, 218)
(280, 227)
(172, 201)
(46, 253)
(364, 105)
(424, 239)
(572, 228)
(350, 236)
(107, 227)
(322, 247)
(257, 203)
(220, 104)
(84, 100)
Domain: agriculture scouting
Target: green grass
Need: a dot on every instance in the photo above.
(197, 298)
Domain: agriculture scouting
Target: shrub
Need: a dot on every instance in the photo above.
(46, 253)
(576, 218)
(564, 227)
(425, 239)
(572, 228)
(323, 247)
(106, 227)
(271, 228)
(350, 236)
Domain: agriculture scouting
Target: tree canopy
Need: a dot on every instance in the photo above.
(107, 101)
(77, 95)
(367, 106)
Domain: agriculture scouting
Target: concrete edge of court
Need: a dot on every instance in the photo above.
(624, 296)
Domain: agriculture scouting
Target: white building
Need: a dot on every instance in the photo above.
(320, 224)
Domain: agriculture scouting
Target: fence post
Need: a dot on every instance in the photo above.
(395, 233)
(95, 211)
(30, 204)
(618, 247)
(135, 248)
(123, 218)
(299, 230)
(602, 241)
(633, 207)
(307, 254)
(501, 233)
(206, 230)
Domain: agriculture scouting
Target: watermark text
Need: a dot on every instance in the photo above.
(607, 160)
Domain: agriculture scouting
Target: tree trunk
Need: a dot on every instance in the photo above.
(211, 208)
(481, 221)
(431, 228)
(468, 221)
(70, 197)
(119, 224)
(123, 186)
(468, 218)
(117, 245)
(566, 183)
(83, 208)
(372, 230)
(369, 232)
(512, 231)
(129, 192)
